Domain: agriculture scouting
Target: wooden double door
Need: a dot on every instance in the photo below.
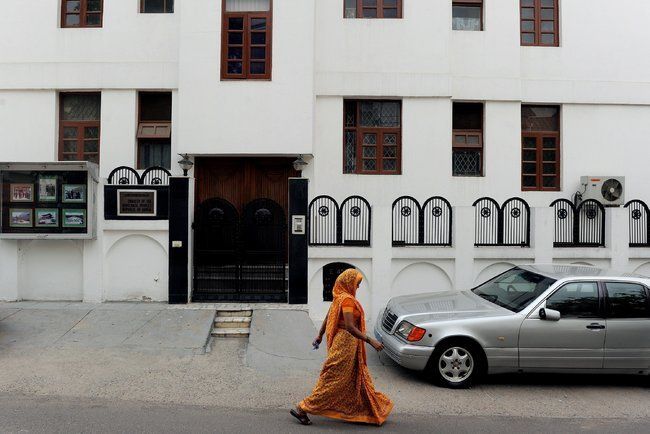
(240, 229)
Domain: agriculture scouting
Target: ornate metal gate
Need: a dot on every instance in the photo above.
(240, 257)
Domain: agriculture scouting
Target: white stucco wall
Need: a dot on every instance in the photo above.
(599, 75)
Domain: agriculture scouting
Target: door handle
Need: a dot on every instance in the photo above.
(595, 326)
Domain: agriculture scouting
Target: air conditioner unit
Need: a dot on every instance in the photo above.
(608, 190)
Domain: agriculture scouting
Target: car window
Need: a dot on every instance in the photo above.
(575, 300)
(626, 300)
(515, 289)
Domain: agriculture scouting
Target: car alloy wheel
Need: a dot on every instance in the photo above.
(456, 365)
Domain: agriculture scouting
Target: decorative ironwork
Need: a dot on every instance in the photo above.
(427, 225)
(466, 163)
(639, 218)
(240, 257)
(344, 225)
(125, 175)
(505, 225)
(581, 226)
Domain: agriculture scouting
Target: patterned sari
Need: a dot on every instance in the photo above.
(345, 389)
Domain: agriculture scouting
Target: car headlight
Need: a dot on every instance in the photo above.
(410, 332)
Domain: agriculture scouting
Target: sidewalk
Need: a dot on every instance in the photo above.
(135, 326)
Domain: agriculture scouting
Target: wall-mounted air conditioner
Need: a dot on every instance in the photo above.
(608, 190)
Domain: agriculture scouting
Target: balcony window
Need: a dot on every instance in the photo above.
(79, 126)
(81, 13)
(372, 9)
(467, 142)
(467, 15)
(540, 148)
(154, 129)
(246, 40)
(539, 23)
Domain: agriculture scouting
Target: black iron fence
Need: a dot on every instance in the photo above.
(639, 214)
(579, 226)
(426, 225)
(331, 224)
(125, 175)
(505, 225)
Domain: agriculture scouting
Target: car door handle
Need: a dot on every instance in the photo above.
(595, 326)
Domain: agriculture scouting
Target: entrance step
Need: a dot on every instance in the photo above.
(232, 323)
(230, 333)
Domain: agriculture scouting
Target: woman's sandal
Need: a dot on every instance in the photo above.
(302, 418)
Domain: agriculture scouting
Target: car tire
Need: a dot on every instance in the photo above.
(456, 364)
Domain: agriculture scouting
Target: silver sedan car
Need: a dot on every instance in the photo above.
(537, 318)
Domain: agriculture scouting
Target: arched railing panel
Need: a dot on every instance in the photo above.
(639, 223)
(515, 215)
(355, 221)
(406, 222)
(564, 223)
(591, 223)
(436, 222)
(323, 221)
(486, 222)
(123, 175)
(155, 176)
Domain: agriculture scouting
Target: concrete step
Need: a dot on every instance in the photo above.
(234, 313)
(232, 322)
(230, 332)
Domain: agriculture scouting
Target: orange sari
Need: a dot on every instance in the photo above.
(345, 389)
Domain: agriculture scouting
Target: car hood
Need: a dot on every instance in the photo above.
(444, 306)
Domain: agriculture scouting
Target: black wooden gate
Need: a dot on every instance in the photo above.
(240, 257)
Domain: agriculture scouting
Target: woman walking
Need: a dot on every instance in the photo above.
(345, 389)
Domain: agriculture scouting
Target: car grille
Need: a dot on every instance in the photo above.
(388, 322)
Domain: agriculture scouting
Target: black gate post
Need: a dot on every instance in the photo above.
(179, 226)
(298, 206)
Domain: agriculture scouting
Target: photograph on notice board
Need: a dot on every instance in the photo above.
(47, 218)
(47, 188)
(20, 218)
(22, 192)
(74, 218)
(74, 193)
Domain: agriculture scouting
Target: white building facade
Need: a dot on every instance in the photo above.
(461, 100)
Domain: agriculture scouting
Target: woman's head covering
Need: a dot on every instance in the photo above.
(347, 283)
(345, 287)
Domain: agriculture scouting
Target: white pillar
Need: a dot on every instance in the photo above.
(463, 231)
(381, 258)
(8, 270)
(617, 237)
(542, 229)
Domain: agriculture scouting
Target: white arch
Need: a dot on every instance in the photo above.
(125, 236)
(643, 269)
(420, 277)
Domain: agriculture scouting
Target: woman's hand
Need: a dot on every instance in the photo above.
(376, 344)
(317, 341)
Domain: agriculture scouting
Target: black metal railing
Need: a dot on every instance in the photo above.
(125, 175)
(579, 226)
(344, 225)
(426, 225)
(639, 217)
(505, 225)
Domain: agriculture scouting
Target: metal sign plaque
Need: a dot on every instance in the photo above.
(137, 203)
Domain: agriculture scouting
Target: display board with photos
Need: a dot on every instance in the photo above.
(44, 202)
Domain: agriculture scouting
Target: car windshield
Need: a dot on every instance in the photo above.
(515, 289)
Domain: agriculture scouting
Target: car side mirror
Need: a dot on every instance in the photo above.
(549, 314)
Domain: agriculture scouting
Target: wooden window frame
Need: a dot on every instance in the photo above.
(80, 125)
(466, 146)
(537, 24)
(380, 132)
(471, 3)
(142, 138)
(246, 43)
(82, 15)
(142, 2)
(380, 10)
(539, 137)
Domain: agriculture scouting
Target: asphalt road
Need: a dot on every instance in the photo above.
(26, 414)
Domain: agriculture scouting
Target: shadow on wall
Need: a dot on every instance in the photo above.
(419, 278)
(50, 270)
(136, 269)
